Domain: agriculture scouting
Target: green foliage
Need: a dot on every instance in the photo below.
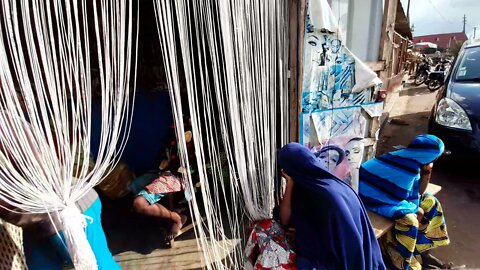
(455, 49)
(225, 170)
(429, 50)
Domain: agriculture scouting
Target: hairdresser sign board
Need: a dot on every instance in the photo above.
(338, 92)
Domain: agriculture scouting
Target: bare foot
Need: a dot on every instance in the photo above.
(180, 209)
(176, 227)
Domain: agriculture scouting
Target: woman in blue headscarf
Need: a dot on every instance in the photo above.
(332, 227)
(393, 185)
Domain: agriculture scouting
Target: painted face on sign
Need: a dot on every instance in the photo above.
(336, 45)
(316, 52)
(313, 40)
(354, 151)
(330, 159)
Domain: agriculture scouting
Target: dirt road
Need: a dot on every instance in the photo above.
(459, 178)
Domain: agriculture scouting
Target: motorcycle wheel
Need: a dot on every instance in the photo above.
(434, 85)
(420, 79)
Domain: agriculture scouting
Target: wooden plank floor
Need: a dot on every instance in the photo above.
(184, 254)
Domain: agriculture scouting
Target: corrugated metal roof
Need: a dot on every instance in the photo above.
(445, 40)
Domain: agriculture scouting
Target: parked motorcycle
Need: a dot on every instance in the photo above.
(442, 65)
(422, 74)
(436, 80)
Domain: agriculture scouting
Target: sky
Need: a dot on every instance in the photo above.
(443, 16)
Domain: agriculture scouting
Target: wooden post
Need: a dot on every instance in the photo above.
(297, 13)
(386, 40)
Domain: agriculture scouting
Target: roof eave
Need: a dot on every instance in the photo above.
(402, 24)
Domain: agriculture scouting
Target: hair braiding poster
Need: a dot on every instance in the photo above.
(337, 88)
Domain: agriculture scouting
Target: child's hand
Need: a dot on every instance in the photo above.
(163, 165)
(182, 170)
(287, 177)
(427, 169)
(420, 214)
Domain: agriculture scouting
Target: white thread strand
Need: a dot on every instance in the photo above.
(45, 56)
(234, 58)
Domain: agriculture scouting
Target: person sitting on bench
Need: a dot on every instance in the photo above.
(393, 185)
(332, 228)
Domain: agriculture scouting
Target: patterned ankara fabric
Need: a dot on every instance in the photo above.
(410, 238)
(170, 180)
(267, 248)
(165, 183)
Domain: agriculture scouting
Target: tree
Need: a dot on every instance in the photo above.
(455, 49)
(429, 50)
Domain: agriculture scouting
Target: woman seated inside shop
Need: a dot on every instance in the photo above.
(393, 185)
(150, 189)
(44, 248)
(332, 229)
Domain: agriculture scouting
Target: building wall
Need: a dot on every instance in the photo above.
(365, 24)
(446, 40)
(361, 21)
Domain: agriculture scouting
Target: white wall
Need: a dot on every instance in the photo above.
(363, 26)
(341, 11)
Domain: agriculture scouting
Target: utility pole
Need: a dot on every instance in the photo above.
(464, 22)
(474, 32)
(408, 11)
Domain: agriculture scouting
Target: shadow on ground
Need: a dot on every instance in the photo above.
(460, 180)
(415, 91)
(460, 199)
(408, 125)
(129, 231)
(138, 241)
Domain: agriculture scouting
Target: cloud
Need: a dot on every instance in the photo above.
(443, 16)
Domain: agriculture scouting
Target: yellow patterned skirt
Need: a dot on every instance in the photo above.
(410, 237)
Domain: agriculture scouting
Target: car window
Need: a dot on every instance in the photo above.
(469, 68)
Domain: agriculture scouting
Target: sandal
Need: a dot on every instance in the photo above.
(450, 265)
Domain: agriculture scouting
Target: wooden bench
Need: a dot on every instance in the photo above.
(382, 225)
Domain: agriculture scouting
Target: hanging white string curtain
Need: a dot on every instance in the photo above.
(48, 49)
(234, 56)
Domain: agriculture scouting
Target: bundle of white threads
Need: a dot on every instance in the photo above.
(46, 104)
(234, 57)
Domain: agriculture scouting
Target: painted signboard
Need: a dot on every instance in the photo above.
(337, 96)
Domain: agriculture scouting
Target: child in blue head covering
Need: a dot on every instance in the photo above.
(393, 185)
(332, 227)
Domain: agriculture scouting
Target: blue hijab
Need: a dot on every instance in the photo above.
(389, 184)
(332, 227)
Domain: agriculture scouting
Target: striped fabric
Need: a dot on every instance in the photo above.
(389, 184)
